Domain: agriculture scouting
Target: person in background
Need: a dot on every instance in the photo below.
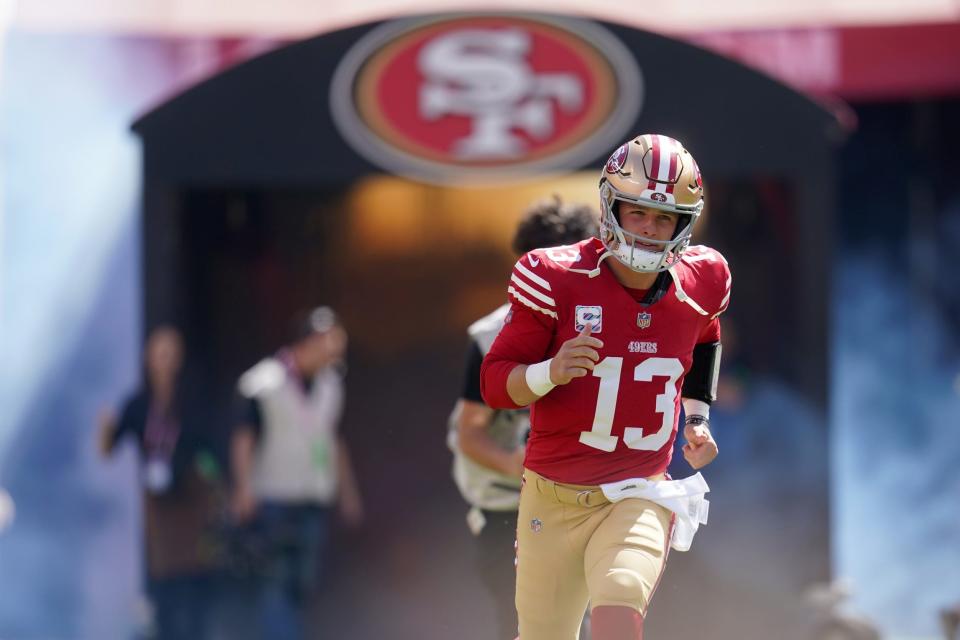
(488, 444)
(291, 467)
(169, 422)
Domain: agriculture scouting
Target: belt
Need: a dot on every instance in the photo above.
(572, 494)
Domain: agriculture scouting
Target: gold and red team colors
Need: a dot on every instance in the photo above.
(597, 517)
(621, 421)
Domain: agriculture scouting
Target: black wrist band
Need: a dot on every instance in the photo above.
(697, 419)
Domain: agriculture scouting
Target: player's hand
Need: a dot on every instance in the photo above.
(701, 448)
(576, 357)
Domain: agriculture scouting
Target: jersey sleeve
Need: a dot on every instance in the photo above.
(725, 280)
(528, 329)
(714, 280)
(524, 339)
(710, 333)
(530, 285)
(713, 288)
(252, 416)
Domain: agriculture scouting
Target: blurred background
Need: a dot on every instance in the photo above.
(222, 166)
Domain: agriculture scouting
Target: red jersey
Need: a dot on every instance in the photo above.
(621, 421)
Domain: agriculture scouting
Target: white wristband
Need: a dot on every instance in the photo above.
(693, 407)
(538, 377)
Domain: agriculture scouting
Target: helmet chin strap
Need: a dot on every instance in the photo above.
(593, 273)
(680, 293)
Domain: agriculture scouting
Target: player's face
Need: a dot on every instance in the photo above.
(648, 223)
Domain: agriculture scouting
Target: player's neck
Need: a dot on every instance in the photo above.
(630, 278)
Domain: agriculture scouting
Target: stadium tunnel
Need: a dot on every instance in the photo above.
(263, 193)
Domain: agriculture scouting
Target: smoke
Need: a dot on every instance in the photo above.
(895, 493)
(68, 563)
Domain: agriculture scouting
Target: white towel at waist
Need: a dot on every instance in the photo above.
(683, 497)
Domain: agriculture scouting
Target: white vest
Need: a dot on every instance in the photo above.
(296, 458)
(481, 486)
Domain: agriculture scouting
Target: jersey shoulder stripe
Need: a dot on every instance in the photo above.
(529, 285)
(541, 275)
(533, 291)
(522, 299)
(534, 278)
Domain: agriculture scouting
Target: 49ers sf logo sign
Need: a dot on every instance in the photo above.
(485, 97)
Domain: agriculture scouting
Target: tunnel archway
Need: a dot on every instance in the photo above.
(311, 173)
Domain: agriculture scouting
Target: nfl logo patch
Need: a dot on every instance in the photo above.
(536, 525)
(643, 319)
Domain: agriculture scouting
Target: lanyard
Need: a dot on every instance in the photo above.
(303, 402)
(161, 433)
(306, 410)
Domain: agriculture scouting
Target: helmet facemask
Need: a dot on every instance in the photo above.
(625, 246)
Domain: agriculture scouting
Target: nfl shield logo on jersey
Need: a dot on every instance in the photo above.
(643, 319)
(588, 314)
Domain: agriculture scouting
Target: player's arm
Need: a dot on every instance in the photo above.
(699, 391)
(517, 371)
(701, 448)
(509, 382)
(575, 359)
(518, 387)
(525, 337)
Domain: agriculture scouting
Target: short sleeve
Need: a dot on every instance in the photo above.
(132, 420)
(250, 415)
(530, 285)
(714, 280)
(524, 339)
(711, 332)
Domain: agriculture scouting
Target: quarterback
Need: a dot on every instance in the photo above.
(605, 340)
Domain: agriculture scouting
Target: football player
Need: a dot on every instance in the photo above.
(488, 445)
(606, 339)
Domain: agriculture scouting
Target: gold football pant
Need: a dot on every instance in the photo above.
(575, 547)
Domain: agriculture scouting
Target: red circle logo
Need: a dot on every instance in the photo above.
(485, 96)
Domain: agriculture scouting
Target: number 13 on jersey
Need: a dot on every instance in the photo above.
(608, 370)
